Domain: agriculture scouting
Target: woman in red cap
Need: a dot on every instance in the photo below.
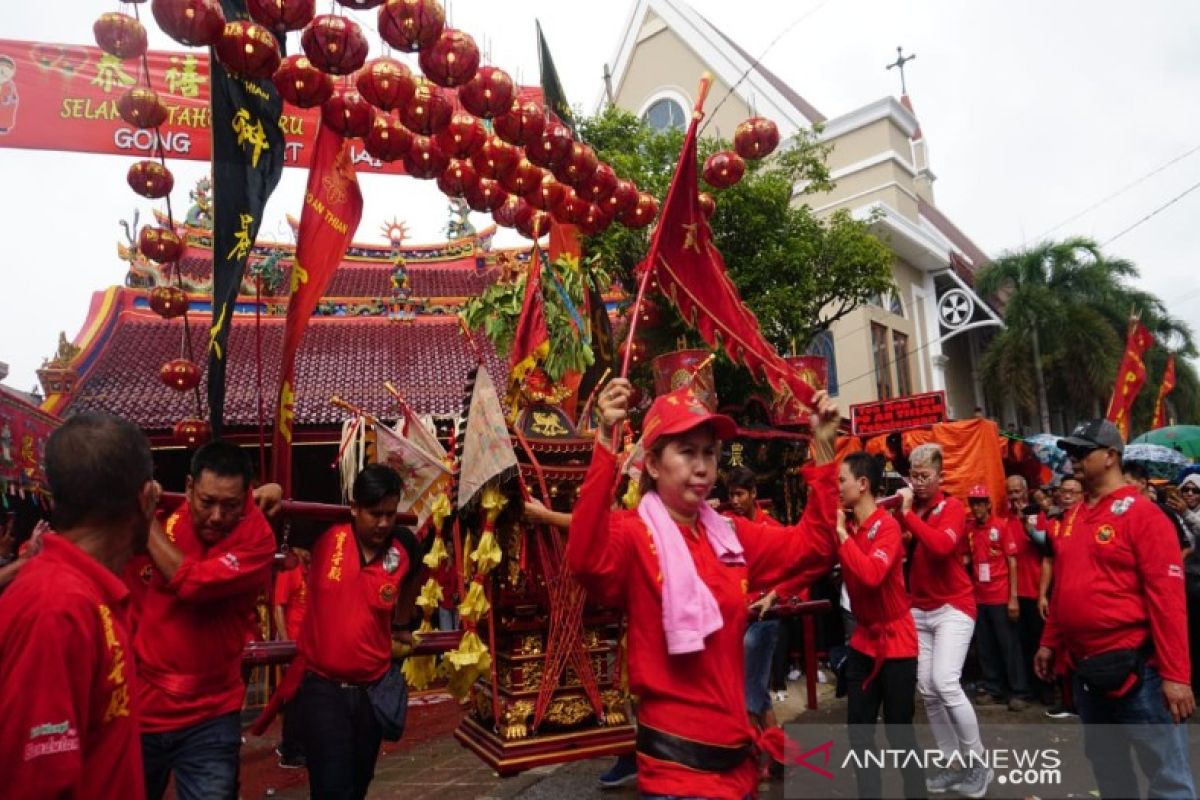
(681, 572)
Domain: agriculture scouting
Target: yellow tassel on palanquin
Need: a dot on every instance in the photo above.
(487, 555)
(475, 604)
(632, 496)
(420, 671)
(467, 663)
(430, 598)
(439, 509)
(436, 555)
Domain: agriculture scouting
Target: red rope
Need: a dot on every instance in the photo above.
(258, 370)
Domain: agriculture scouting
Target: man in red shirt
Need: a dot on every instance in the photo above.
(354, 584)
(994, 573)
(881, 670)
(66, 664)
(291, 604)
(1030, 531)
(198, 588)
(1118, 616)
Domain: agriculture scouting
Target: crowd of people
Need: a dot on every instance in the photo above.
(122, 629)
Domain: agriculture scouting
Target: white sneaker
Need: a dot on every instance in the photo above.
(794, 674)
(780, 697)
(974, 783)
(822, 677)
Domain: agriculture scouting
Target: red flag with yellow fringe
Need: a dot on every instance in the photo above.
(531, 342)
(1130, 377)
(691, 272)
(332, 209)
(1160, 405)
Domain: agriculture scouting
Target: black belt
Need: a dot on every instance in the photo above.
(689, 753)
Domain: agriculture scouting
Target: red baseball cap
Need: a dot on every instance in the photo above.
(979, 492)
(680, 411)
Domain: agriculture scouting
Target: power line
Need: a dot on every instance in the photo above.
(1121, 191)
(1154, 213)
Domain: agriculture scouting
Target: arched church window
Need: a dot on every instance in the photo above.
(664, 114)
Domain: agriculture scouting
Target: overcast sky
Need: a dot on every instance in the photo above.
(1033, 112)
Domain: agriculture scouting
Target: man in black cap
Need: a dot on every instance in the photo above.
(1118, 619)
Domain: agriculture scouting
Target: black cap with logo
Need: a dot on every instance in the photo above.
(1093, 434)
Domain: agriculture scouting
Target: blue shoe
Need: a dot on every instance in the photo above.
(622, 773)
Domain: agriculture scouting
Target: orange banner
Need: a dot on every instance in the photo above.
(64, 97)
(1130, 377)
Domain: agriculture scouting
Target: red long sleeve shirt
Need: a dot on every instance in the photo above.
(68, 720)
(698, 696)
(1029, 554)
(937, 576)
(347, 634)
(1118, 583)
(991, 545)
(872, 559)
(191, 630)
(291, 592)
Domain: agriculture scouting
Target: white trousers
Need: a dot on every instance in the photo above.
(943, 637)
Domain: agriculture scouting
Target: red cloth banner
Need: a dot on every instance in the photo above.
(64, 97)
(333, 207)
(531, 341)
(691, 272)
(900, 414)
(1160, 405)
(24, 429)
(1130, 377)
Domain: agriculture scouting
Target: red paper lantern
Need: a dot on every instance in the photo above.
(168, 301)
(282, 16)
(159, 244)
(452, 60)
(571, 209)
(623, 198)
(141, 107)
(755, 138)
(531, 223)
(248, 49)
(192, 432)
(300, 83)
(424, 159)
(386, 83)
(521, 124)
(180, 374)
(546, 194)
(495, 158)
(489, 94)
(411, 25)
(335, 44)
(552, 148)
(457, 177)
(723, 169)
(579, 165)
(707, 205)
(642, 213)
(429, 110)
(485, 195)
(523, 179)
(463, 136)
(150, 179)
(195, 23)
(600, 185)
(505, 214)
(348, 113)
(388, 139)
(595, 221)
(120, 35)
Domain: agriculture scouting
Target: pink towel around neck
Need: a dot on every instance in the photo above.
(690, 612)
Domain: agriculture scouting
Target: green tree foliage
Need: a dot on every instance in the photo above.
(1079, 302)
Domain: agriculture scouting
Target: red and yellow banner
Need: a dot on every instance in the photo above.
(24, 429)
(64, 97)
(333, 207)
(1160, 405)
(1130, 377)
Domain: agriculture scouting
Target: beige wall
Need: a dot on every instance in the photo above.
(960, 388)
(661, 61)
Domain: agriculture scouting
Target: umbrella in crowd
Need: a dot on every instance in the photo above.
(1162, 462)
(1045, 448)
(1183, 438)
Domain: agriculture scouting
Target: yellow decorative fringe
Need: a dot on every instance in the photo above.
(475, 604)
(420, 671)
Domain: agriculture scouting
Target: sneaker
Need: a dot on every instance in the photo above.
(780, 697)
(1017, 704)
(943, 780)
(1059, 711)
(794, 674)
(975, 781)
(296, 761)
(986, 699)
(622, 773)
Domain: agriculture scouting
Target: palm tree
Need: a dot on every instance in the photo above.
(1059, 342)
